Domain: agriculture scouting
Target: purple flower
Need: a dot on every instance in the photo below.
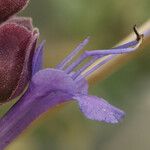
(17, 45)
(50, 87)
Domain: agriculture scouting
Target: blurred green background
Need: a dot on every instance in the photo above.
(64, 23)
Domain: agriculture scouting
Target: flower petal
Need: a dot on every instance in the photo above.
(49, 80)
(37, 62)
(10, 7)
(98, 109)
(82, 86)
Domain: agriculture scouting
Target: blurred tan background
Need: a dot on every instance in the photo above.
(64, 23)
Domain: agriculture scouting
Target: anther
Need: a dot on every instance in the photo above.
(138, 35)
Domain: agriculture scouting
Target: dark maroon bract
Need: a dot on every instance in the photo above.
(17, 44)
(11, 7)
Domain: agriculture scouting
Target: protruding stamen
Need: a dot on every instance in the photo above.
(125, 48)
(82, 69)
(73, 54)
(96, 67)
(113, 51)
(96, 54)
(76, 63)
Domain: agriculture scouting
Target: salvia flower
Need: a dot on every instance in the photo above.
(17, 45)
(52, 86)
